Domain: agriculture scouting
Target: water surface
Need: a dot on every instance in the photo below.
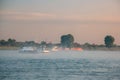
(64, 65)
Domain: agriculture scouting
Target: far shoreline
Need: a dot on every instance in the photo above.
(84, 48)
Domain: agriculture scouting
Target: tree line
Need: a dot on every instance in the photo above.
(13, 42)
(66, 41)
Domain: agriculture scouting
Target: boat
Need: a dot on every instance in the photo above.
(28, 49)
(45, 50)
(55, 48)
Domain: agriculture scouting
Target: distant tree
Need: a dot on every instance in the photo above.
(43, 44)
(87, 44)
(77, 44)
(3, 42)
(11, 42)
(67, 41)
(109, 40)
(29, 43)
(49, 45)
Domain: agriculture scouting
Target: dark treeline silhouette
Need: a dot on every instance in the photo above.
(13, 42)
(67, 41)
(109, 41)
(9, 42)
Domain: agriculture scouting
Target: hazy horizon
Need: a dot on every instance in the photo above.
(46, 20)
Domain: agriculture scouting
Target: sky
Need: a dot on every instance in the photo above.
(46, 20)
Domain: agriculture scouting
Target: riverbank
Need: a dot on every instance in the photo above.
(84, 48)
(9, 48)
(102, 48)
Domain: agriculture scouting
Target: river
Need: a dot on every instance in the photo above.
(61, 65)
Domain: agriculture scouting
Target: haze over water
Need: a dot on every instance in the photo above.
(62, 65)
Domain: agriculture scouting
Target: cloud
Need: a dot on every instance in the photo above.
(59, 18)
(12, 15)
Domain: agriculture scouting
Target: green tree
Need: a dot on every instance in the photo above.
(3, 42)
(11, 42)
(76, 44)
(67, 41)
(43, 44)
(29, 43)
(109, 40)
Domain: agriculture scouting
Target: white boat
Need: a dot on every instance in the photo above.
(45, 50)
(55, 48)
(28, 49)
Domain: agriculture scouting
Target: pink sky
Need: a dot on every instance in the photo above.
(87, 20)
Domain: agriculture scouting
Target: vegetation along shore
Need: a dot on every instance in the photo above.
(67, 41)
